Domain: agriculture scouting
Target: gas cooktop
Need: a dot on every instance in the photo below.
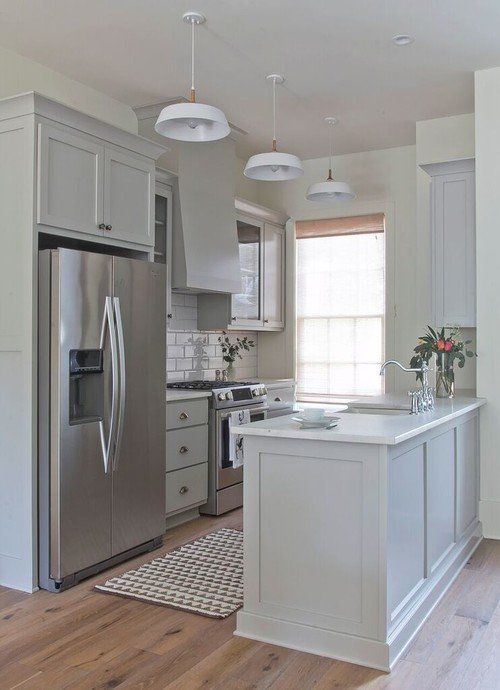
(207, 385)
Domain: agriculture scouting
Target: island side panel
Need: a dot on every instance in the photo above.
(433, 521)
(312, 525)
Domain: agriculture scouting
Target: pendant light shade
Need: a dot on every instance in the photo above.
(273, 165)
(192, 121)
(330, 190)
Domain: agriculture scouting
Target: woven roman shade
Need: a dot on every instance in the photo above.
(332, 227)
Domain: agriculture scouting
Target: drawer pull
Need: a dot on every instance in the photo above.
(277, 400)
(183, 416)
(183, 490)
(183, 449)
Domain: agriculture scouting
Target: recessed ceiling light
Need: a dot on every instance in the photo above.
(402, 39)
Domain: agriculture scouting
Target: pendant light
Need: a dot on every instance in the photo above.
(273, 165)
(192, 121)
(330, 190)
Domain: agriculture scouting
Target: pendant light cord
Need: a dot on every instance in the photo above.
(193, 92)
(330, 125)
(274, 114)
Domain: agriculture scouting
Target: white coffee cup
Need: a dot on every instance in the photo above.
(313, 414)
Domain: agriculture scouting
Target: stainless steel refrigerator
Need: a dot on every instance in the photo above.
(101, 412)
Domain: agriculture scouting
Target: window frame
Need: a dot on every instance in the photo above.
(360, 209)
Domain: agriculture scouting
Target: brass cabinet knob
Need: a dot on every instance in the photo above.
(183, 490)
(277, 399)
(183, 450)
(183, 415)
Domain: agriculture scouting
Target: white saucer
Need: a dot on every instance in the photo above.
(326, 421)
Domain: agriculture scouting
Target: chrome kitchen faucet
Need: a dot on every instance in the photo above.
(421, 400)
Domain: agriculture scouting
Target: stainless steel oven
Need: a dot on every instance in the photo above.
(225, 483)
(226, 474)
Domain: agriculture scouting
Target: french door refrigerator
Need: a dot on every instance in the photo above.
(101, 412)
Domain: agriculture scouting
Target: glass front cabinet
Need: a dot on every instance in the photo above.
(163, 233)
(260, 305)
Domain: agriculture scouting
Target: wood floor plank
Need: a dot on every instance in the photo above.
(483, 595)
(84, 639)
(15, 674)
(303, 671)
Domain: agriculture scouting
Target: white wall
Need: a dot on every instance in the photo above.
(487, 98)
(384, 181)
(19, 74)
(438, 141)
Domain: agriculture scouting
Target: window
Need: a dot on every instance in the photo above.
(340, 306)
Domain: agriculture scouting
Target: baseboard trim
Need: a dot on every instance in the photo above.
(489, 514)
(303, 638)
(182, 517)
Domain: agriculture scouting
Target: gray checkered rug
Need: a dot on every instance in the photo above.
(204, 577)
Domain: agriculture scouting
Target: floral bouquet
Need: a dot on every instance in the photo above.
(447, 349)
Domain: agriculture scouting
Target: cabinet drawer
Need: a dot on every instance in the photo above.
(187, 413)
(186, 488)
(186, 447)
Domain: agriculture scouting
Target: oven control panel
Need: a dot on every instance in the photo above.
(231, 397)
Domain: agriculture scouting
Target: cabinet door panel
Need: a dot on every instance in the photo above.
(70, 180)
(274, 261)
(440, 497)
(454, 248)
(467, 474)
(129, 197)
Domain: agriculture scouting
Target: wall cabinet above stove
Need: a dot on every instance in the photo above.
(260, 305)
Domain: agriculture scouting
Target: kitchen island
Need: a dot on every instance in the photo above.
(353, 534)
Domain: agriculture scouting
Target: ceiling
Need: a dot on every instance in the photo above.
(338, 59)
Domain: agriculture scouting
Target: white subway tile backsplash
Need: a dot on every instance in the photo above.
(193, 354)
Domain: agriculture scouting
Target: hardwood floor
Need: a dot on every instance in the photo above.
(83, 639)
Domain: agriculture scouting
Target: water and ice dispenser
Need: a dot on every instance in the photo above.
(86, 386)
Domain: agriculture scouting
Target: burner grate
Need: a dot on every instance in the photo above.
(206, 385)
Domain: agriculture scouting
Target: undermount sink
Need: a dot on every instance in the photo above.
(377, 411)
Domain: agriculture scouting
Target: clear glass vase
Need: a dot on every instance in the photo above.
(445, 376)
(230, 371)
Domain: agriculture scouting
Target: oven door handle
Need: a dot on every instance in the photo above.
(253, 410)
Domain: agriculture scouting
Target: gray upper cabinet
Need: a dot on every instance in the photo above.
(260, 305)
(70, 180)
(247, 306)
(96, 187)
(453, 242)
(129, 182)
(274, 276)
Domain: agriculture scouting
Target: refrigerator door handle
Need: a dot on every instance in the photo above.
(123, 384)
(108, 320)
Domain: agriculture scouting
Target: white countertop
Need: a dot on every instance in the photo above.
(176, 394)
(368, 428)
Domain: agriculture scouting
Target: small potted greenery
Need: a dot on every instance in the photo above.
(447, 349)
(231, 349)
